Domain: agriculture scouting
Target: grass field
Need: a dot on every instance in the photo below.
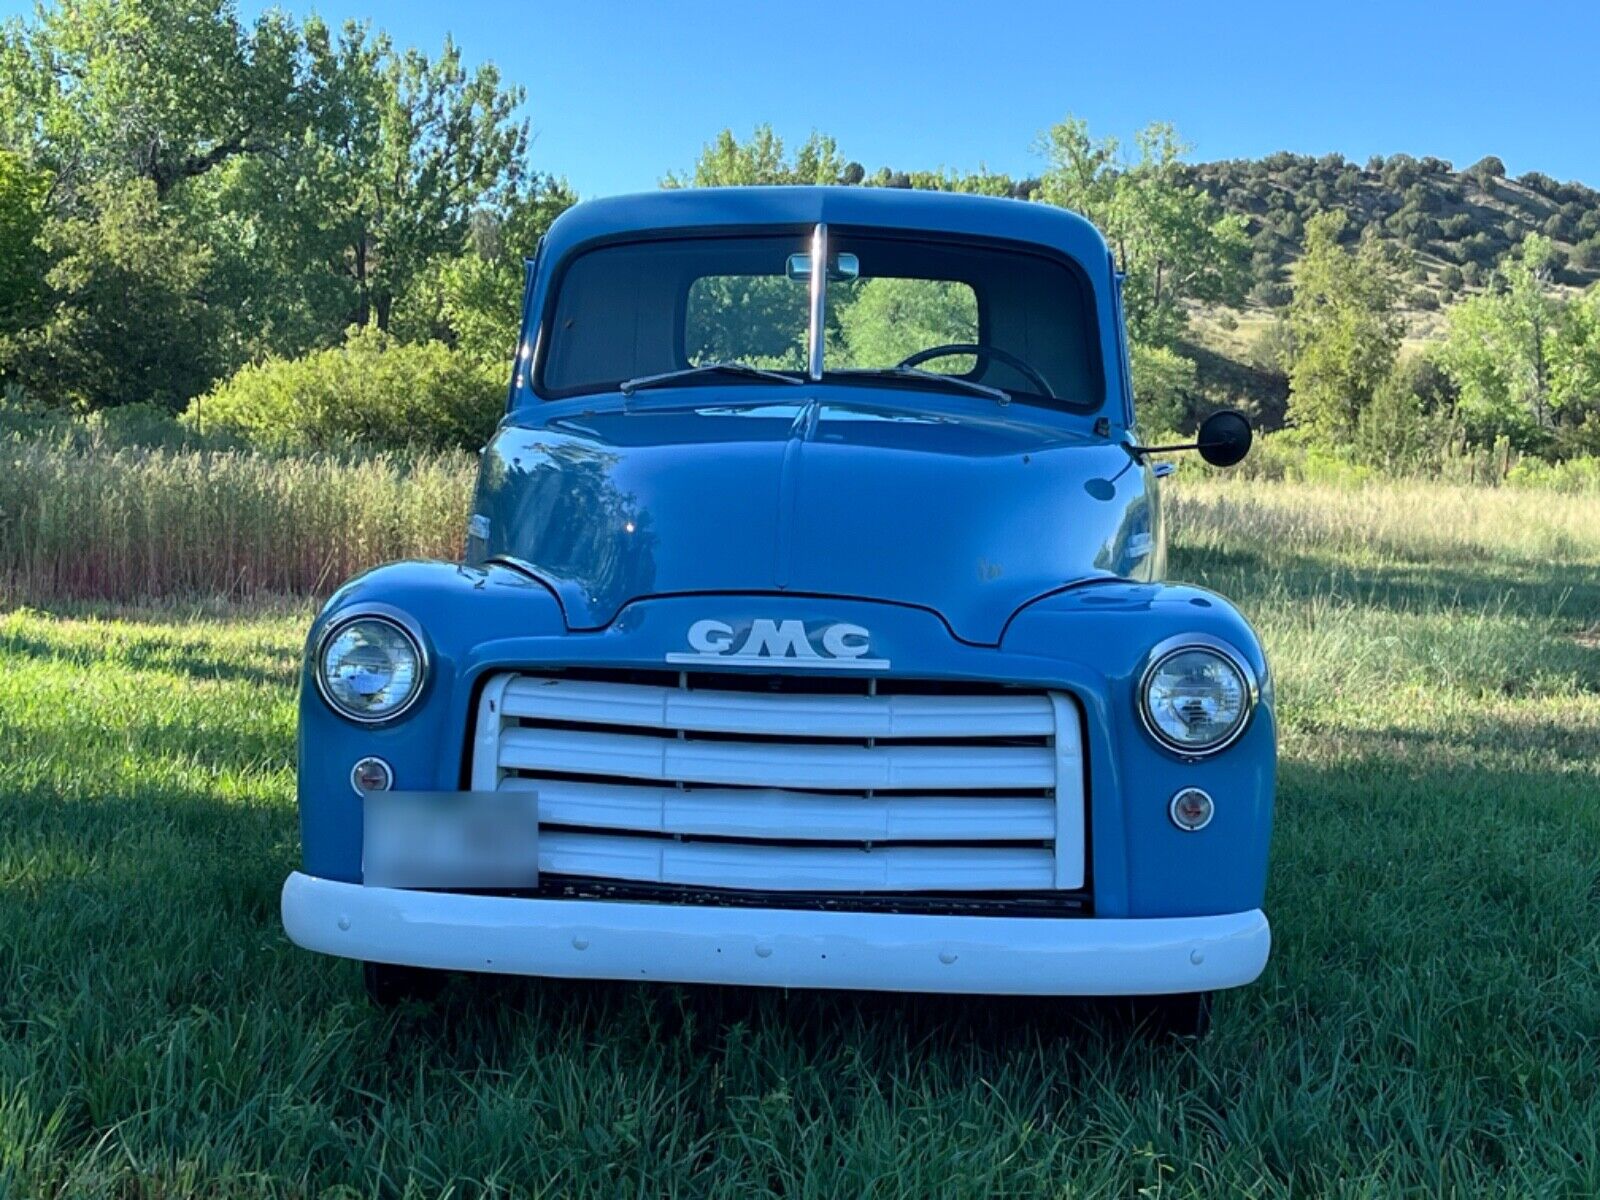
(1429, 1023)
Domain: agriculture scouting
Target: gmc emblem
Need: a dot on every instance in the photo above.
(764, 642)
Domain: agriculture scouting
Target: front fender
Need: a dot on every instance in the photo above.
(1144, 864)
(456, 609)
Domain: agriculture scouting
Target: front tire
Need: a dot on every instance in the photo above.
(390, 984)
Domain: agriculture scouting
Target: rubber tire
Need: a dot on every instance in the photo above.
(390, 984)
(1182, 1015)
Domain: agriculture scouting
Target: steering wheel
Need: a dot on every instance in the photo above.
(981, 352)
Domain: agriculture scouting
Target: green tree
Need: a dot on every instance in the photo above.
(1522, 358)
(301, 181)
(1170, 238)
(473, 301)
(1345, 328)
(161, 90)
(1163, 383)
(129, 316)
(725, 161)
(882, 321)
(22, 258)
(1575, 374)
(401, 152)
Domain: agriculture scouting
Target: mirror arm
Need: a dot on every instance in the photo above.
(1141, 451)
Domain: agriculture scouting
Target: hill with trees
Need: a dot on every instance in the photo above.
(1457, 225)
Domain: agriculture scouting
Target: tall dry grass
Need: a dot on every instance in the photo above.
(141, 524)
(1384, 520)
(130, 525)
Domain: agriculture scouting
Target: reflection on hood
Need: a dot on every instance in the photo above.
(970, 517)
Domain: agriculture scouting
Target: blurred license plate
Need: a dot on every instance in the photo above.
(450, 839)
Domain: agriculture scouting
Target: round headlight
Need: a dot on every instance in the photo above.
(370, 669)
(1195, 699)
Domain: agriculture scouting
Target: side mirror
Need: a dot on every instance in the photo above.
(1224, 438)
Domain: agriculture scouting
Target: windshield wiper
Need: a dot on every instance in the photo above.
(921, 376)
(744, 370)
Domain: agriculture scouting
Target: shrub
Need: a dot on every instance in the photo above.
(1272, 295)
(1163, 381)
(1558, 226)
(128, 426)
(1571, 475)
(372, 391)
(1393, 433)
(1489, 167)
(1480, 248)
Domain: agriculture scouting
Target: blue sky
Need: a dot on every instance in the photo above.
(619, 93)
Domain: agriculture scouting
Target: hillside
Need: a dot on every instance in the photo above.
(1455, 224)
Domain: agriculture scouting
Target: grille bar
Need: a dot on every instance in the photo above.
(791, 868)
(641, 706)
(777, 764)
(778, 815)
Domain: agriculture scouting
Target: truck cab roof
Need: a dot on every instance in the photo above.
(799, 207)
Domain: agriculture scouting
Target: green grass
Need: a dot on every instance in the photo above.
(1429, 1023)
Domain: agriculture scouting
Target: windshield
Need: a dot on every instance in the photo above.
(641, 309)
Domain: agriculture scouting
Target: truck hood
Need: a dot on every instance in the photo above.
(968, 515)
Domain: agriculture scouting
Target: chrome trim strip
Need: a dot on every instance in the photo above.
(819, 297)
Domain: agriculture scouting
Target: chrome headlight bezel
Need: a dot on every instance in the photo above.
(1204, 643)
(402, 624)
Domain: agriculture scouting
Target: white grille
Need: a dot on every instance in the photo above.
(876, 787)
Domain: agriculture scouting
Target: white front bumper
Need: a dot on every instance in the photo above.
(604, 939)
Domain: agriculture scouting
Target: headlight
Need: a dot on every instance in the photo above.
(369, 668)
(1195, 699)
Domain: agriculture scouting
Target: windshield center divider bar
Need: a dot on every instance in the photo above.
(819, 293)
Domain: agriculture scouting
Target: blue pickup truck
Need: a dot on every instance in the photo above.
(812, 631)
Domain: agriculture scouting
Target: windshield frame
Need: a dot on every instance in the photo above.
(817, 236)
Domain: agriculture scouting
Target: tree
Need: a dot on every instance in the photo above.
(1163, 382)
(881, 321)
(22, 259)
(1346, 330)
(129, 316)
(1170, 238)
(472, 301)
(161, 90)
(402, 151)
(1526, 362)
(727, 162)
(301, 181)
(1485, 171)
(1575, 373)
